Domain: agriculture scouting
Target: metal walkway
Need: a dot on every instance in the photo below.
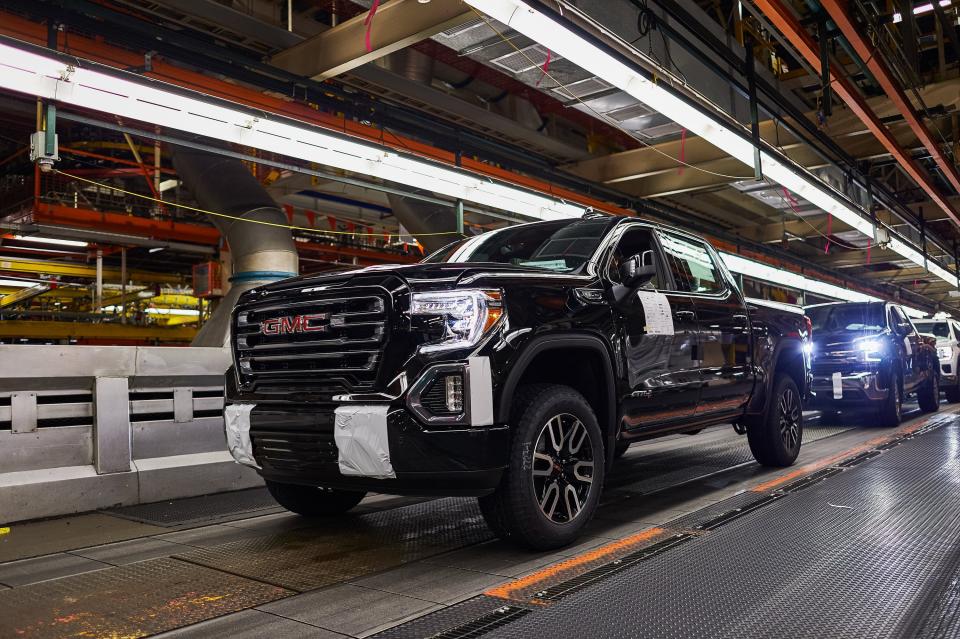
(234, 566)
(868, 547)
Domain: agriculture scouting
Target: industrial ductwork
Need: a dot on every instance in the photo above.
(260, 253)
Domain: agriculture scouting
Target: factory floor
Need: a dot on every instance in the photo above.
(860, 538)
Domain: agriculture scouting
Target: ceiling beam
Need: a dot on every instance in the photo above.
(396, 25)
(787, 22)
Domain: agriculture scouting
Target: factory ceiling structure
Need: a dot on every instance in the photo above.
(813, 142)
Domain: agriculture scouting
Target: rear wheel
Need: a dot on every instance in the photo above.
(311, 501)
(775, 437)
(928, 395)
(552, 484)
(889, 413)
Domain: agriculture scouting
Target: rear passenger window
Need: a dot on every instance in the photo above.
(693, 268)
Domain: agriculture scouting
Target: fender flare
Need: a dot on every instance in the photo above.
(544, 343)
(763, 390)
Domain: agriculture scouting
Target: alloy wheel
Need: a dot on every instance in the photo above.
(790, 414)
(562, 468)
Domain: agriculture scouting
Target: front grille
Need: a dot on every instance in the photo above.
(287, 442)
(327, 344)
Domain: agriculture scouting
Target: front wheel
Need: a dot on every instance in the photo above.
(928, 395)
(311, 501)
(890, 410)
(775, 436)
(552, 484)
(953, 393)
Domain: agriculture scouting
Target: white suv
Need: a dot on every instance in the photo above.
(947, 332)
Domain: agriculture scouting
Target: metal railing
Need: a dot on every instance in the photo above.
(90, 427)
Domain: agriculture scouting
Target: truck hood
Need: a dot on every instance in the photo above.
(420, 275)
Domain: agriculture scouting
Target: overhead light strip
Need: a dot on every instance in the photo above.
(151, 101)
(565, 43)
(789, 279)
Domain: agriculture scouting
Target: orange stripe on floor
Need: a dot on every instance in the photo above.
(830, 460)
(506, 591)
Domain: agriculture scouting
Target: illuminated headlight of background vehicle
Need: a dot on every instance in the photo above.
(464, 316)
(943, 352)
(872, 349)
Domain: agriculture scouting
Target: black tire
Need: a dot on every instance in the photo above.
(539, 473)
(776, 436)
(952, 393)
(889, 413)
(311, 501)
(620, 449)
(928, 395)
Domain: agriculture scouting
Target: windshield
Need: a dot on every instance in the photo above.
(563, 246)
(859, 318)
(940, 329)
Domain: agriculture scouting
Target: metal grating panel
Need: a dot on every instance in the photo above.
(337, 549)
(629, 112)
(129, 601)
(857, 555)
(219, 507)
(463, 27)
(581, 89)
(527, 58)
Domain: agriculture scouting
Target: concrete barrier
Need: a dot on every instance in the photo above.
(91, 427)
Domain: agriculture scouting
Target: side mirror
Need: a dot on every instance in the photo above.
(637, 270)
(904, 328)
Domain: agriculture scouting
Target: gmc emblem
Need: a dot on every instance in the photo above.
(293, 324)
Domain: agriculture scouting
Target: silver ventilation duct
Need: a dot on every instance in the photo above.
(260, 253)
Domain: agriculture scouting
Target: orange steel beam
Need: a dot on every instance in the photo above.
(96, 49)
(184, 232)
(783, 19)
(884, 77)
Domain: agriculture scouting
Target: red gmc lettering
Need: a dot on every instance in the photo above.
(292, 324)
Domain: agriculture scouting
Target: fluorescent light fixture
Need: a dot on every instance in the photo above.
(151, 101)
(539, 27)
(173, 311)
(920, 10)
(49, 240)
(166, 185)
(781, 277)
(17, 283)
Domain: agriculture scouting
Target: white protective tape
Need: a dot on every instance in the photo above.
(363, 447)
(481, 391)
(236, 423)
(837, 386)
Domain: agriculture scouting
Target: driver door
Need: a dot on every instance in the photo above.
(658, 334)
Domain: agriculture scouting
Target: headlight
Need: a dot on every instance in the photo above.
(466, 315)
(943, 352)
(872, 349)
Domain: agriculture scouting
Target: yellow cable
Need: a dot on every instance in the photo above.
(237, 218)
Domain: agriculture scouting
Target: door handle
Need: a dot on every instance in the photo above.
(740, 321)
(685, 315)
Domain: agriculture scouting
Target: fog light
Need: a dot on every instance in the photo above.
(454, 387)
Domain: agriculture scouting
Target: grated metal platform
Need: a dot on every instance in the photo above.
(129, 601)
(872, 551)
(206, 508)
(341, 549)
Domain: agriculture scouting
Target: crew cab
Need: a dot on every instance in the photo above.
(511, 366)
(868, 356)
(946, 332)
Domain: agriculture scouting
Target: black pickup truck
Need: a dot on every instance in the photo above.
(514, 366)
(867, 356)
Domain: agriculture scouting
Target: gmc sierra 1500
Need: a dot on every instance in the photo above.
(514, 366)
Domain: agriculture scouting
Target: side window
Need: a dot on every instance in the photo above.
(633, 242)
(693, 268)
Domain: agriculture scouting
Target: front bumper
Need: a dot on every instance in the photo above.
(386, 444)
(846, 390)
